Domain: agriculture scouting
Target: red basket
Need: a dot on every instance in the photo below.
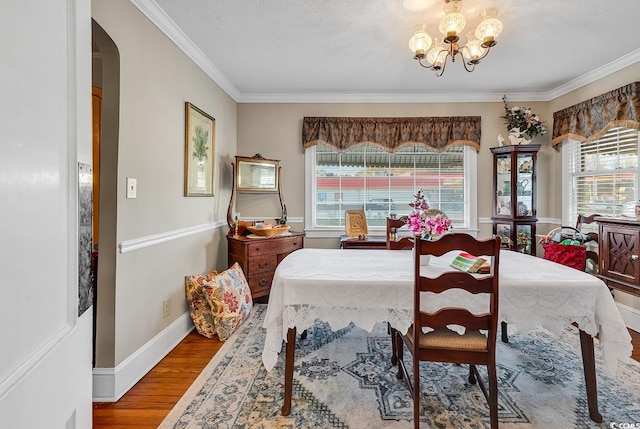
(571, 255)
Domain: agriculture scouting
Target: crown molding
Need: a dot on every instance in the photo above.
(598, 73)
(169, 28)
(160, 19)
(479, 97)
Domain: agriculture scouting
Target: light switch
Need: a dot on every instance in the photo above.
(132, 187)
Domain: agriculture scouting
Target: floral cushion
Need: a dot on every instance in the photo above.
(230, 300)
(198, 305)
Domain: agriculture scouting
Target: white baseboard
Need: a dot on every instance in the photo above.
(110, 384)
(630, 315)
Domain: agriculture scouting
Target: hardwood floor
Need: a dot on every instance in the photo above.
(151, 399)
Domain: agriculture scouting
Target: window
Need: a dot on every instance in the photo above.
(368, 177)
(602, 175)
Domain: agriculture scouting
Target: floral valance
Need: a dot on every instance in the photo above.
(592, 118)
(392, 133)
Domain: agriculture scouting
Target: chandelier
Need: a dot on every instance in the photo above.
(478, 44)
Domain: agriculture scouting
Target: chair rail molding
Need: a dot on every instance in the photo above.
(151, 240)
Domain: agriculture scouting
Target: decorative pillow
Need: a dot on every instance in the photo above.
(230, 300)
(198, 305)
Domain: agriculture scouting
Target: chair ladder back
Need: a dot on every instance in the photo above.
(457, 280)
(462, 317)
(393, 224)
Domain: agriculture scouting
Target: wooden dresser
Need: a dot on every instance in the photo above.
(259, 257)
(619, 250)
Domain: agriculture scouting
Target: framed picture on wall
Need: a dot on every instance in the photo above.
(198, 152)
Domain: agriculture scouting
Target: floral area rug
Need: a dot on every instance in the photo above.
(344, 379)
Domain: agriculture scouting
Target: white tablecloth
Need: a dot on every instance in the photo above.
(370, 286)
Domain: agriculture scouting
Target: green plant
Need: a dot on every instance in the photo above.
(200, 138)
(521, 120)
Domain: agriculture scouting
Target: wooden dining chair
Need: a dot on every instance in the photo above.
(592, 255)
(393, 242)
(442, 344)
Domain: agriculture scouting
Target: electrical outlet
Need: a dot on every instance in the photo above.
(166, 307)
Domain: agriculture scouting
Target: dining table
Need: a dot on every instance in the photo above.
(366, 287)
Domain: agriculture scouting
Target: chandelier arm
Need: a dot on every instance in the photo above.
(429, 66)
(444, 66)
(467, 68)
(486, 52)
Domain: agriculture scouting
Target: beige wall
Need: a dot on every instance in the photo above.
(156, 79)
(275, 131)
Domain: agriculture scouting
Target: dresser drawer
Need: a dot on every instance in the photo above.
(267, 246)
(260, 282)
(261, 263)
(259, 257)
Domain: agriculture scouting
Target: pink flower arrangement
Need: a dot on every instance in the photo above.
(426, 221)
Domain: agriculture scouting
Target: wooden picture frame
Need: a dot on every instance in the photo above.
(199, 152)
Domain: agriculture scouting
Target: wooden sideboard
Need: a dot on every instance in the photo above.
(619, 250)
(259, 257)
(369, 242)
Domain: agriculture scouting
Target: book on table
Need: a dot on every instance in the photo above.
(470, 263)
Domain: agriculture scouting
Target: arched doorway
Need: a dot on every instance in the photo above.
(106, 78)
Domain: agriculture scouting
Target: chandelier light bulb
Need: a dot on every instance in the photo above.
(489, 28)
(473, 51)
(438, 54)
(420, 42)
(453, 23)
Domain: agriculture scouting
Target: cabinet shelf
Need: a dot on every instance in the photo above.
(514, 196)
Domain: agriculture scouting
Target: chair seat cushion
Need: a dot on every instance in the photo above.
(448, 339)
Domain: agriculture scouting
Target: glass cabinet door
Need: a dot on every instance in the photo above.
(503, 185)
(503, 231)
(524, 185)
(524, 238)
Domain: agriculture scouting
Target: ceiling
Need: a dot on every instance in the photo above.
(357, 50)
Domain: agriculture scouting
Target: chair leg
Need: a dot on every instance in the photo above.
(503, 331)
(399, 353)
(472, 375)
(493, 396)
(392, 332)
(416, 393)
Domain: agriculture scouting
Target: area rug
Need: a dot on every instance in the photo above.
(344, 379)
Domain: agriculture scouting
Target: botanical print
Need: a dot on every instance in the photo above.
(199, 152)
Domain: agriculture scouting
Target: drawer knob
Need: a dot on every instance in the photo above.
(263, 265)
(634, 257)
(263, 282)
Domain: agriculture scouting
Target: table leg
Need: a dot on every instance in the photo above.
(589, 364)
(288, 371)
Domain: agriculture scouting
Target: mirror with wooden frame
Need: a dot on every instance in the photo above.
(255, 174)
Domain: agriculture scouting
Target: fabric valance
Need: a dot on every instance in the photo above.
(392, 133)
(592, 118)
